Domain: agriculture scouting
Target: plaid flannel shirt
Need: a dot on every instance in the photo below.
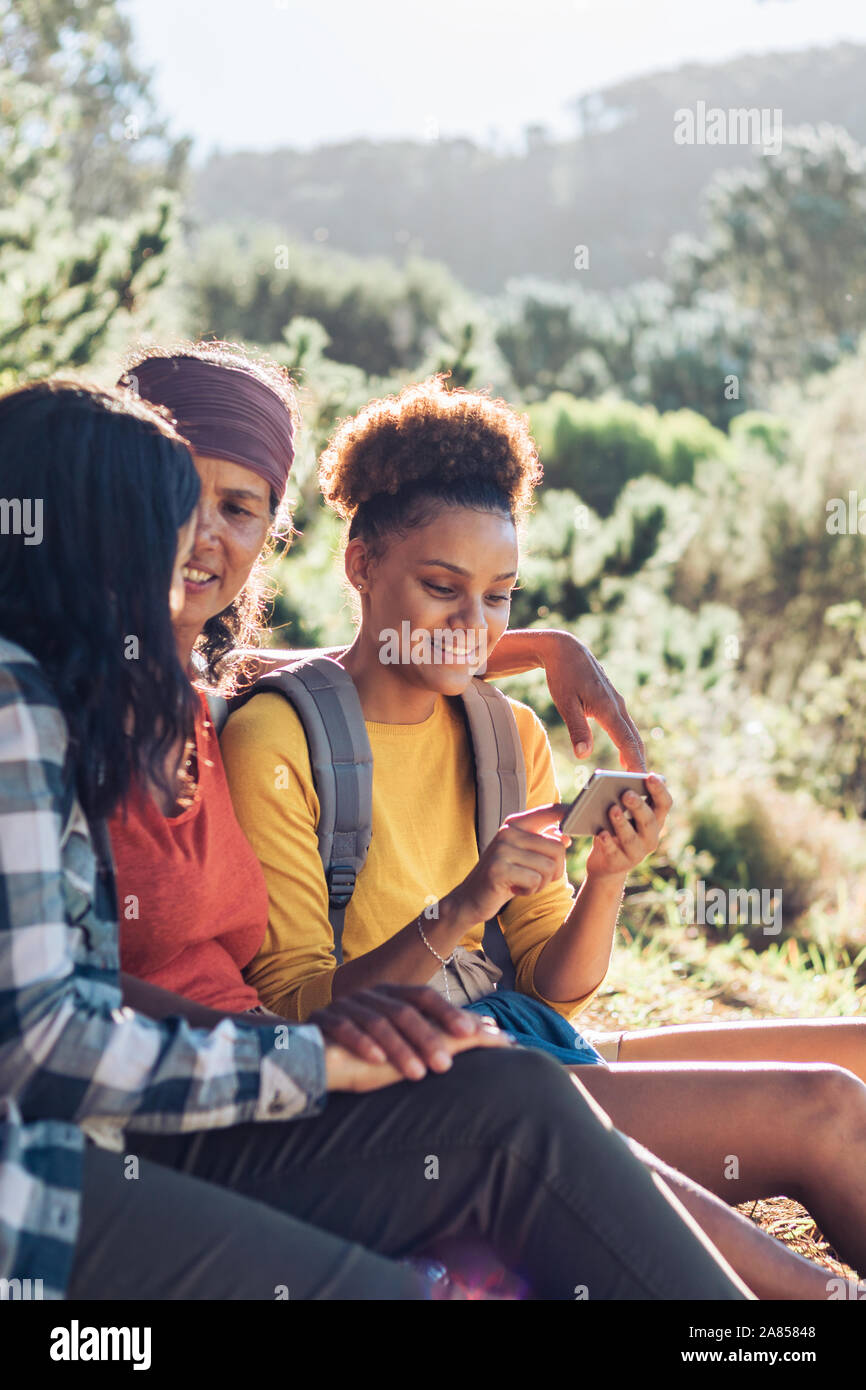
(73, 1060)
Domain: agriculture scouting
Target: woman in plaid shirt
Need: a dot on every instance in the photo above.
(93, 1094)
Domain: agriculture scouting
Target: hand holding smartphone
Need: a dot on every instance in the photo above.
(587, 814)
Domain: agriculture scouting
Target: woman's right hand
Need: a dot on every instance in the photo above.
(524, 856)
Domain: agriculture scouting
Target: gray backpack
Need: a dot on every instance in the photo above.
(326, 701)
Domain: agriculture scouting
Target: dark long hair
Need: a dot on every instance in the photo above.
(90, 599)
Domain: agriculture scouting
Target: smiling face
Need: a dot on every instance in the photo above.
(452, 576)
(232, 525)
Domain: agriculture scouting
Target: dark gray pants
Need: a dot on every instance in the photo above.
(502, 1149)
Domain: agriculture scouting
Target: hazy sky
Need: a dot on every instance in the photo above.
(243, 74)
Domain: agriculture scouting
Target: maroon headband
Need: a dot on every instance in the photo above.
(223, 411)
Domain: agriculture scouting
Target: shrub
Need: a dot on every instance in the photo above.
(596, 447)
(761, 837)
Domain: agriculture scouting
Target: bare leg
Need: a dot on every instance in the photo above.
(750, 1131)
(840, 1041)
(765, 1265)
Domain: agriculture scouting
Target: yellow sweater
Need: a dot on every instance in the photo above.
(423, 844)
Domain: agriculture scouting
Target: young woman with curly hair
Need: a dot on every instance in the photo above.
(433, 485)
(436, 473)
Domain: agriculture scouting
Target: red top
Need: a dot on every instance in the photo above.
(191, 896)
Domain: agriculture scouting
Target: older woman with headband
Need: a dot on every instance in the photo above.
(198, 911)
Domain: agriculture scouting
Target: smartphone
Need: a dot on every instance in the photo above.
(587, 814)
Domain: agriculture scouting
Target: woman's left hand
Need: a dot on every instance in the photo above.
(581, 690)
(619, 849)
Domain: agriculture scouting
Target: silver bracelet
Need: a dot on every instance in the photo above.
(441, 959)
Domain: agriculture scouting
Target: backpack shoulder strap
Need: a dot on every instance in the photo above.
(500, 768)
(500, 781)
(326, 701)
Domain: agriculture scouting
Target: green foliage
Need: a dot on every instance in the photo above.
(762, 839)
(637, 341)
(697, 356)
(65, 287)
(596, 447)
(830, 704)
(376, 316)
(557, 338)
(327, 390)
(115, 150)
(661, 974)
(311, 605)
(785, 240)
(769, 433)
(762, 542)
(772, 288)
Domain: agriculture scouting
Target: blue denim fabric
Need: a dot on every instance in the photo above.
(534, 1024)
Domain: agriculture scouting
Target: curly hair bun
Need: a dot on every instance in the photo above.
(428, 432)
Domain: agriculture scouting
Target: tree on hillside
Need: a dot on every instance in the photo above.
(623, 189)
(117, 151)
(375, 315)
(638, 341)
(63, 285)
(785, 240)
